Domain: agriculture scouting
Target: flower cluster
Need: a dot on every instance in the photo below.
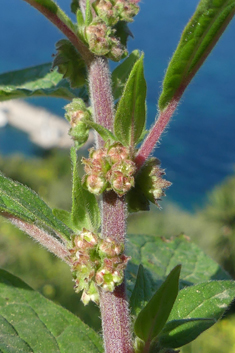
(96, 263)
(76, 114)
(157, 181)
(150, 181)
(101, 35)
(102, 41)
(109, 168)
(112, 11)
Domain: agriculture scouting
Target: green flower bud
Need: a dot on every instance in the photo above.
(76, 111)
(126, 10)
(120, 183)
(106, 11)
(97, 36)
(94, 184)
(110, 248)
(90, 294)
(117, 152)
(117, 50)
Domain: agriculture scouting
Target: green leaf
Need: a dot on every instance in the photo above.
(36, 81)
(74, 6)
(102, 131)
(142, 292)
(122, 31)
(154, 315)
(85, 208)
(65, 217)
(177, 333)
(136, 200)
(18, 200)
(129, 121)
(198, 39)
(70, 63)
(159, 256)
(88, 16)
(32, 324)
(122, 72)
(207, 300)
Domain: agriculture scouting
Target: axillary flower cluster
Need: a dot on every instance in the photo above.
(96, 263)
(101, 34)
(109, 168)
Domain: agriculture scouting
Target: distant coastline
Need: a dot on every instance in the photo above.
(44, 129)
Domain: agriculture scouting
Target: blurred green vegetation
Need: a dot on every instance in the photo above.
(50, 177)
(212, 228)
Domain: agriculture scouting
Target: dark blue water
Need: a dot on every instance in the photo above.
(198, 149)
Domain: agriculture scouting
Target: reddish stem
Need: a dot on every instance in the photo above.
(153, 137)
(79, 45)
(116, 327)
(114, 306)
(49, 242)
(101, 94)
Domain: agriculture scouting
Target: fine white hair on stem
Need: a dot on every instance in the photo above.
(48, 241)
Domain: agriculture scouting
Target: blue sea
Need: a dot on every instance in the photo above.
(198, 148)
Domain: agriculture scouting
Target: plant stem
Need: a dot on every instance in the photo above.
(68, 32)
(101, 95)
(153, 137)
(114, 306)
(49, 242)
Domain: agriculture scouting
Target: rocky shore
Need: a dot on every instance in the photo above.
(44, 128)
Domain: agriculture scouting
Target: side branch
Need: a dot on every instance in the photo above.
(49, 242)
(51, 16)
(149, 143)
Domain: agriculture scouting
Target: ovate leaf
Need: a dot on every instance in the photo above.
(159, 256)
(32, 324)
(85, 208)
(196, 309)
(122, 72)
(154, 315)
(198, 39)
(18, 200)
(37, 81)
(129, 120)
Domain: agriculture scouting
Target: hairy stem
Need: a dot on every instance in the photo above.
(116, 327)
(101, 95)
(153, 137)
(49, 242)
(114, 306)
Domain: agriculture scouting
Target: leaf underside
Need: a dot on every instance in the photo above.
(160, 256)
(198, 39)
(23, 203)
(31, 323)
(37, 81)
